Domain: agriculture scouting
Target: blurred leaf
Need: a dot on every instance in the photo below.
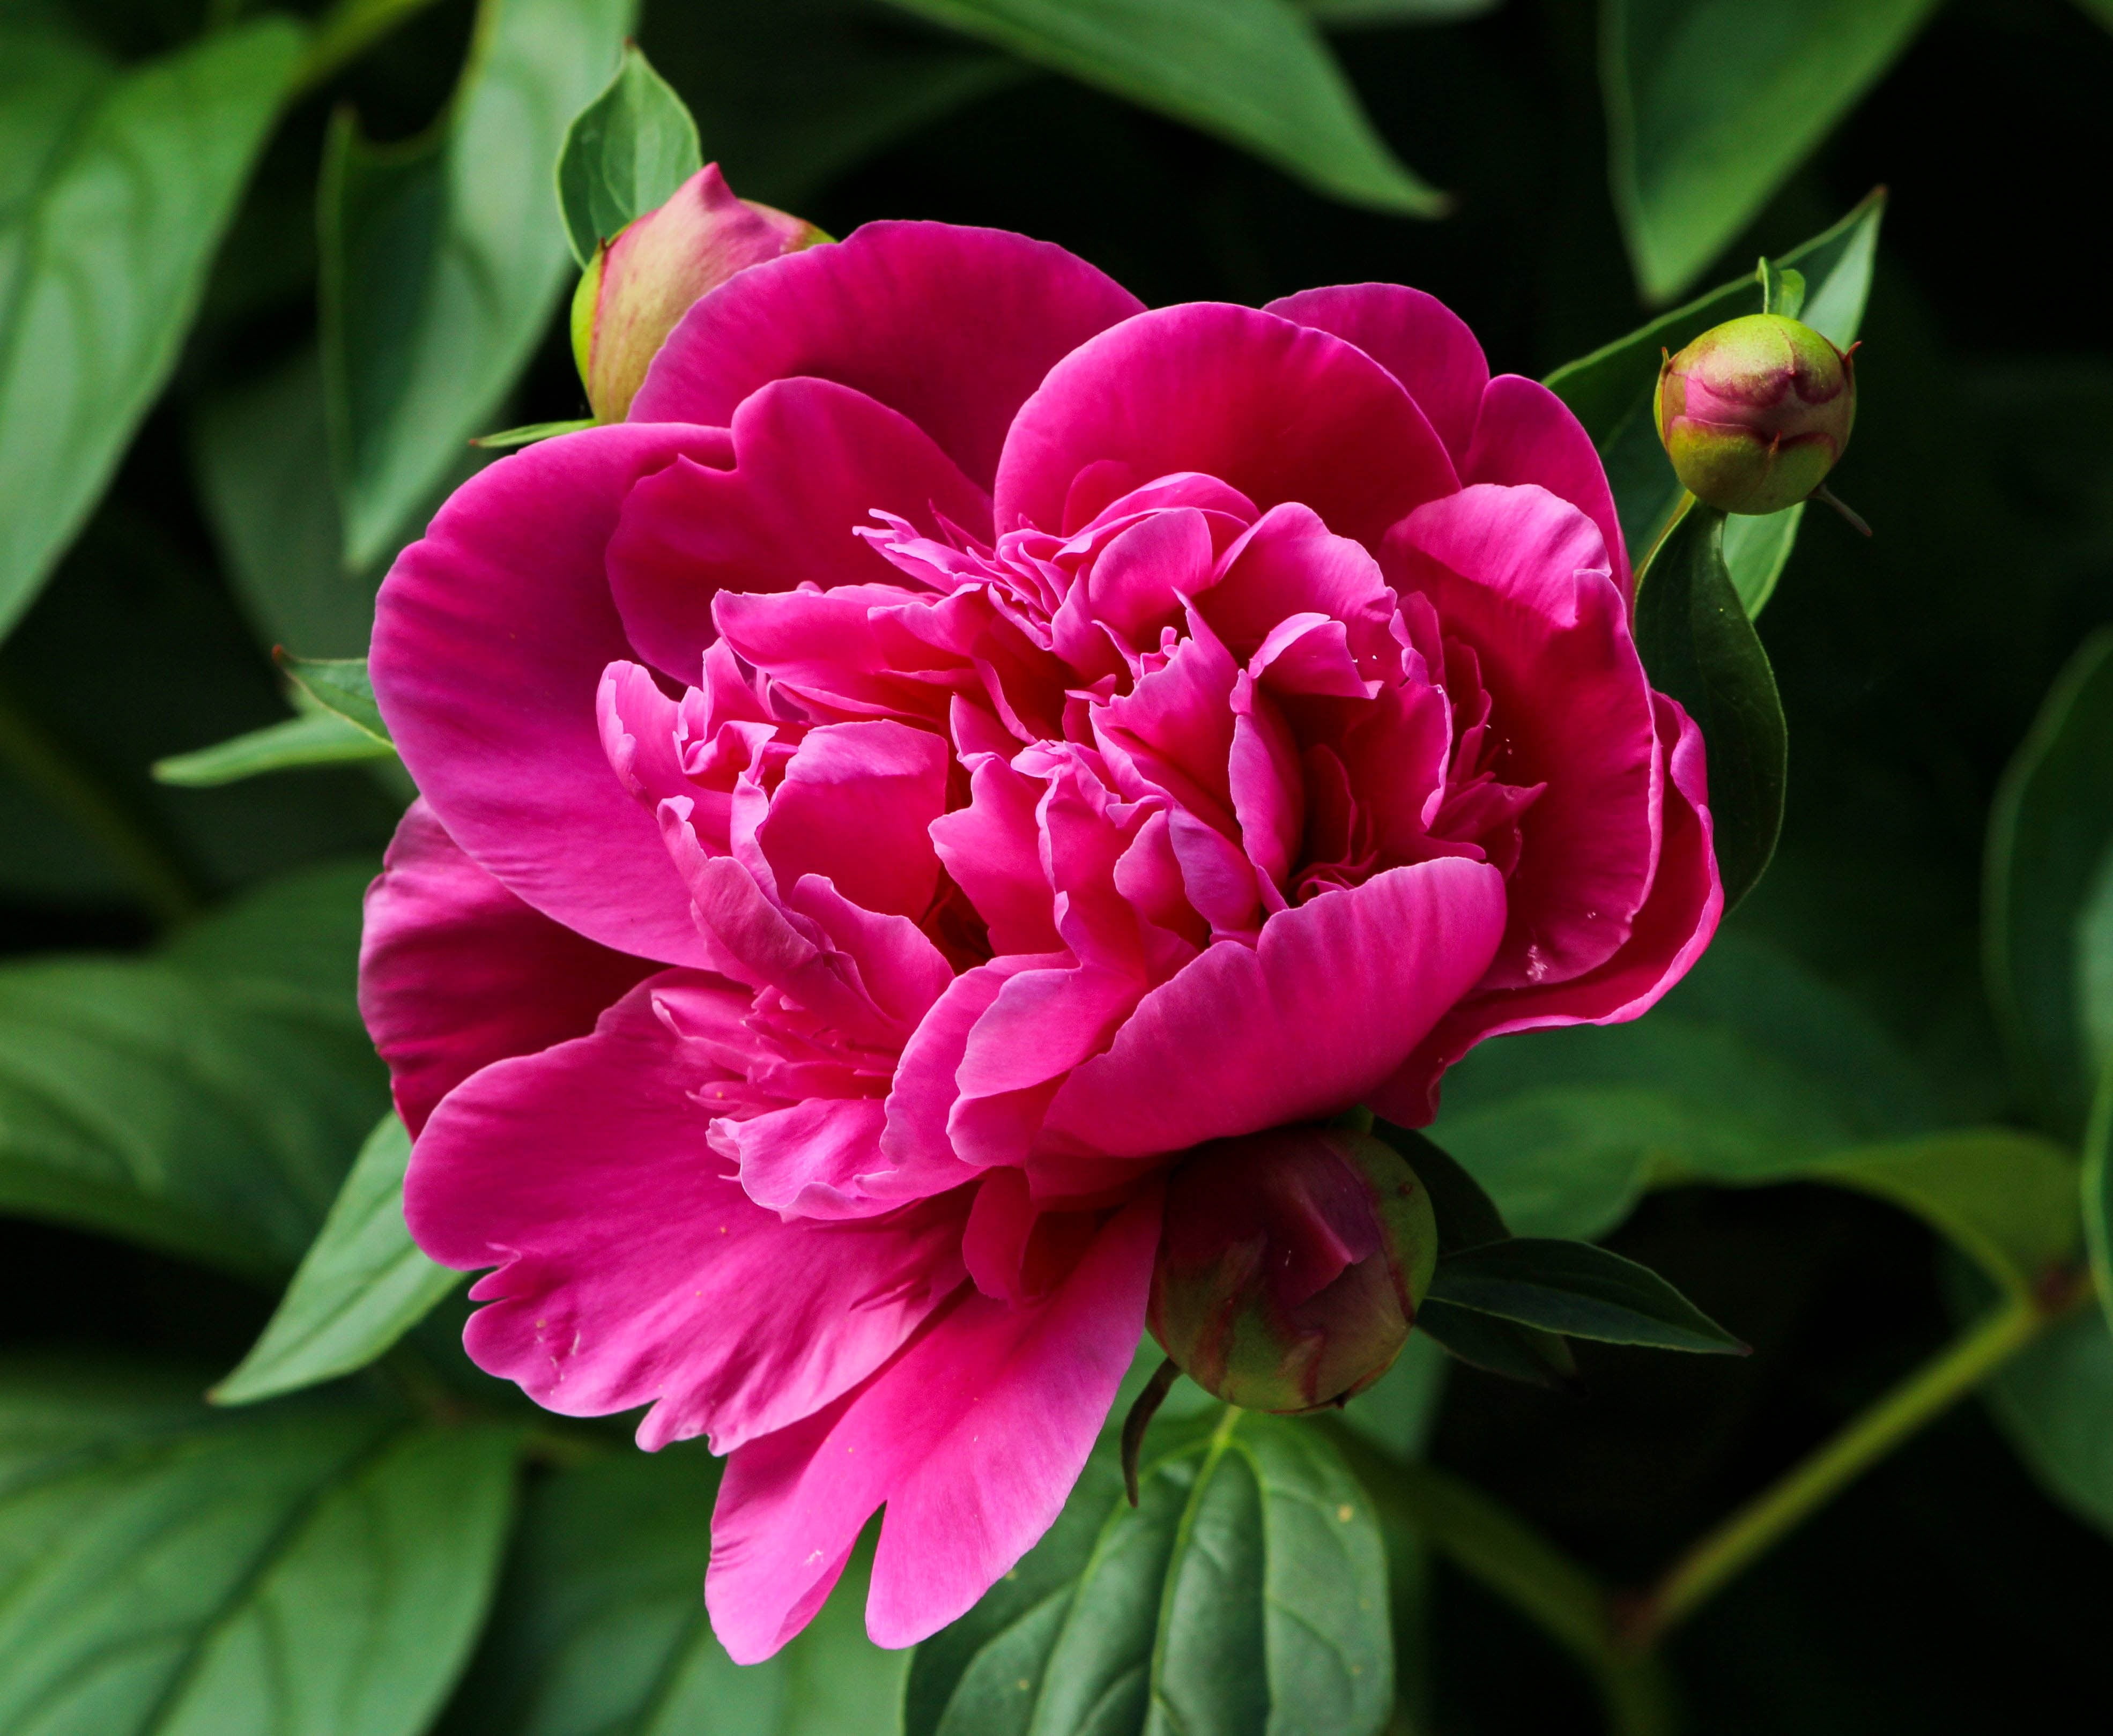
(1578, 1290)
(114, 191)
(1399, 1410)
(300, 1572)
(2050, 847)
(625, 154)
(339, 685)
(206, 1098)
(529, 433)
(1712, 103)
(346, 31)
(2096, 1178)
(1611, 392)
(1699, 646)
(362, 1285)
(1254, 72)
(316, 737)
(599, 1626)
(1246, 1591)
(443, 257)
(1340, 15)
(2054, 1400)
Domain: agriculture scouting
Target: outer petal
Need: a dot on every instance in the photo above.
(455, 972)
(491, 636)
(813, 461)
(952, 327)
(633, 1269)
(1279, 411)
(1415, 337)
(973, 1437)
(1310, 1018)
(1527, 434)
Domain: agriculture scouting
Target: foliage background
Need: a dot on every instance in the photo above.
(1947, 1590)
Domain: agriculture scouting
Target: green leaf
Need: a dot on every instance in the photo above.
(1246, 1591)
(339, 686)
(346, 31)
(302, 1571)
(600, 1627)
(1497, 1346)
(206, 1098)
(442, 257)
(115, 191)
(1343, 15)
(316, 737)
(362, 1285)
(1611, 392)
(1467, 1217)
(1399, 1410)
(506, 438)
(624, 154)
(2050, 848)
(1711, 104)
(1782, 291)
(1699, 646)
(2097, 1179)
(1254, 72)
(2054, 1399)
(1579, 1291)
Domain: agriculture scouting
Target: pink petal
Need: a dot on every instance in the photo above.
(1290, 563)
(1415, 337)
(811, 1159)
(632, 1268)
(952, 327)
(455, 972)
(1336, 995)
(854, 806)
(993, 849)
(926, 1079)
(813, 462)
(1280, 411)
(491, 636)
(973, 1437)
(1527, 434)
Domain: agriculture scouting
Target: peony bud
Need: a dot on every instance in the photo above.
(1290, 1266)
(644, 281)
(1755, 412)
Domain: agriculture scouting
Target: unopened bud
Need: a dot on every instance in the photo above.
(1290, 1266)
(1755, 412)
(645, 279)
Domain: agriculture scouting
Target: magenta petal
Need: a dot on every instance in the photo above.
(952, 327)
(455, 972)
(854, 807)
(632, 1268)
(813, 462)
(973, 1437)
(1327, 1005)
(1527, 434)
(491, 636)
(993, 848)
(1279, 411)
(1416, 338)
(812, 1159)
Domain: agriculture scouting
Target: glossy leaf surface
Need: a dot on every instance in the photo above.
(624, 153)
(316, 737)
(339, 685)
(1578, 1290)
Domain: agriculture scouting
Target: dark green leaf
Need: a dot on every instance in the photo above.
(506, 438)
(346, 31)
(600, 1627)
(301, 1572)
(442, 257)
(1467, 1215)
(2050, 851)
(1699, 646)
(2097, 1194)
(1518, 1353)
(1399, 1410)
(1611, 392)
(624, 153)
(360, 1287)
(1579, 1291)
(2055, 1401)
(339, 685)
(316, 737)
(1710, 106)
(1343, 15)
(205, 1099)
(114, 193)
(1254, 72)
(1245, 1592)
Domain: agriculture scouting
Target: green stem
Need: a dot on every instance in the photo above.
(45, 767)
(1726, 1551)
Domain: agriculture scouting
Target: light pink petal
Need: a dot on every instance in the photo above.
(812, 462)
(490, 635)
(1527, 434)
(633, 1269)
(952, 327)
(1280, 411)
(455, 972)
(973, 1437)
(854, 806)
(1415, 337)
(1334, 997)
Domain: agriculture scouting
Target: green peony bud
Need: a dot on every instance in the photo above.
(1755, 412)
(645, 279)
(1290, 1266)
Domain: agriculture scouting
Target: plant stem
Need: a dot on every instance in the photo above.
(1726, 1551)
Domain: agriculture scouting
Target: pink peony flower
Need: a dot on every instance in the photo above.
(965, 740)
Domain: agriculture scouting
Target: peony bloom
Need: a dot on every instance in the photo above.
(963, 741)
